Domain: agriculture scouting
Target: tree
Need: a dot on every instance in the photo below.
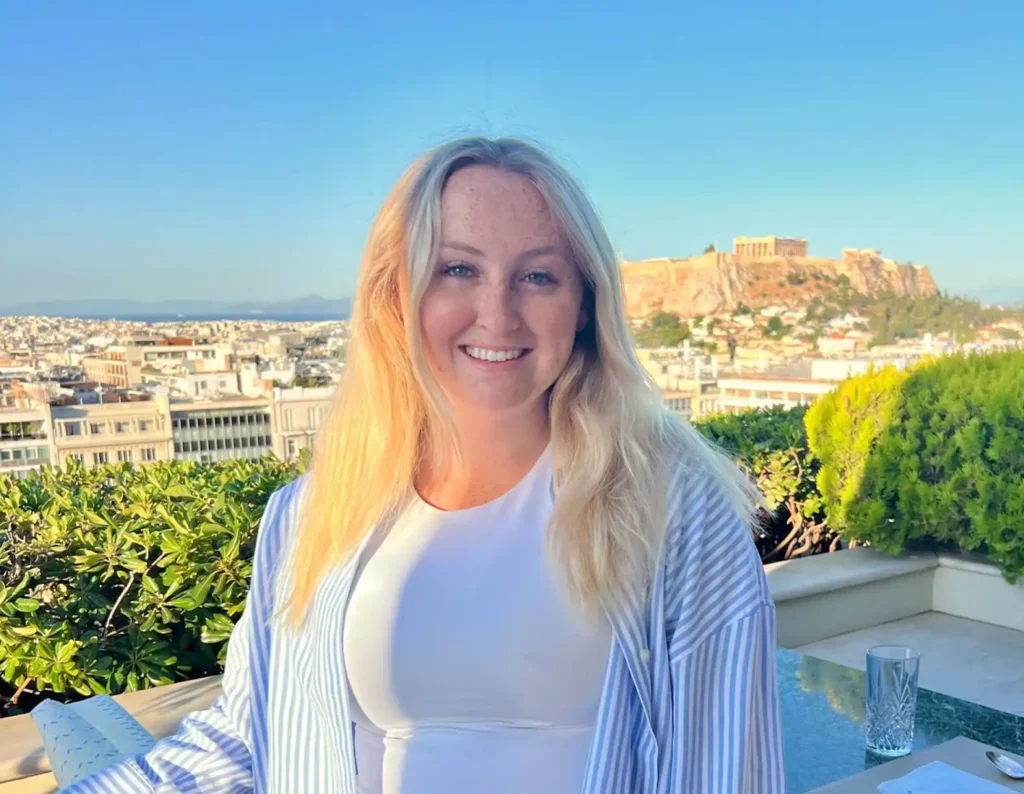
(895, 317)
(948, 468)
(663, 329)
(776, 329)
(771, 445)
(842, 428)
(310, 382)
(710, 249)
(121, 578)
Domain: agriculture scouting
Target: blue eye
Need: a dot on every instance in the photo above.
(540, 279)
(457, 269)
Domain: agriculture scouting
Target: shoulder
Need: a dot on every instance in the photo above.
(280, 521)
(705, 502)
(713, 573)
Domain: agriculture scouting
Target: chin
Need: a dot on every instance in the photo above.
(500, 406)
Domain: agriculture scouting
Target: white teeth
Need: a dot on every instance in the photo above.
(485, 354)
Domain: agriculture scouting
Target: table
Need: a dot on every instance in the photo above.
(961, 753)
(822, 707)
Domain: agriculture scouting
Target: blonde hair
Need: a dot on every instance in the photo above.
(613, 443)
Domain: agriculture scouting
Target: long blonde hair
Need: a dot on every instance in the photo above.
(613, 443)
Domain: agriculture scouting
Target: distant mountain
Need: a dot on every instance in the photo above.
(308, 306)
(717, 282)
(1006, 295)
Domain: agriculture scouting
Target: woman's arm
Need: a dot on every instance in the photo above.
(212, 751)
(720, 624)
(728, 737)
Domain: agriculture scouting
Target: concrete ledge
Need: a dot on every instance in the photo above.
(821, 597)
(23, 761)
(839, 571)
(972, 563)
(40, 784)
(966, 587)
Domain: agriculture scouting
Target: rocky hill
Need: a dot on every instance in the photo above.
(716, 283)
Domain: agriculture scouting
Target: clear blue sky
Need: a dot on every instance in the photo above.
(239, 150)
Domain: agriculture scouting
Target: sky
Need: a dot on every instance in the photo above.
(239, 150)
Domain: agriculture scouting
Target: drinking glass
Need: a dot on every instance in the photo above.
(891, 699)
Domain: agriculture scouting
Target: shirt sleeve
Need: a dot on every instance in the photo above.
(212, 751)
(728, 735)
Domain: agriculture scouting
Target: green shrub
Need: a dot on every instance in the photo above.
(842, 428)
(949, 466)
(663, 329)
(122, 578)
(771, 445)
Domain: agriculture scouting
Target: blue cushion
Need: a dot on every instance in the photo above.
(83, 738)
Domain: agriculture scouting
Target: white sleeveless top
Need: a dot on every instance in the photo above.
(468, 670)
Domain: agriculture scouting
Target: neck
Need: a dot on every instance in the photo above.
(496, 454)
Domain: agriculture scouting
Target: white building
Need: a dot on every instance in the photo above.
(297, 415)
(198, 385)
(25, 443)
(215, 430)
(739, 394)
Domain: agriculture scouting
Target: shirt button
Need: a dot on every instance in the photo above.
(645, 655)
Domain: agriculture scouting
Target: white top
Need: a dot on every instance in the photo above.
(468, 670)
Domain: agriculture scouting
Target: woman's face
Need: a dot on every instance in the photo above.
(504, 302)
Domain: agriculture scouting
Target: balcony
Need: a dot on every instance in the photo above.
(33, 463)
(34, 435)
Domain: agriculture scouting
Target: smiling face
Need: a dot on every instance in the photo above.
(500, 314)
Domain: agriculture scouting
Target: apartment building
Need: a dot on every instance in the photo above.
(198, 385)
(692, 399)
(119, 366)
(24, 437)
(125, 366)
(136, 430)
(679, 402)
(215, 430)
(742, 393)
(297, 415)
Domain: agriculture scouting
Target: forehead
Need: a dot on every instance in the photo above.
(485, 202)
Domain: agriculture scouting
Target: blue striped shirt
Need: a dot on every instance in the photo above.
(689, 702)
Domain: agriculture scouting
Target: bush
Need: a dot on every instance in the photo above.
(842, 428)
(949, 466)
(663, 329)
(122, 578)
(771, 445)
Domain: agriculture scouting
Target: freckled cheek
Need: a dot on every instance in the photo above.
(442, 319)
(556, 325)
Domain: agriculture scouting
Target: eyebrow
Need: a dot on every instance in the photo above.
(529, 253)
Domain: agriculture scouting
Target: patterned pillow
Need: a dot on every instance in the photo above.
(83, 738)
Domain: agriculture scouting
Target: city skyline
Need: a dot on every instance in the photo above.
(240, 152)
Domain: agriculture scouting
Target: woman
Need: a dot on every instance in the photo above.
(511, 570)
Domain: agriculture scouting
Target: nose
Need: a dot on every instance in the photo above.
(498, 309)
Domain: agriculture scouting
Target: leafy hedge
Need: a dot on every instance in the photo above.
(771, 445)
(121, 578)
(949, 466)
(842, 428)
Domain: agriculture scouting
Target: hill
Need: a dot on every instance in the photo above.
(715, 283)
